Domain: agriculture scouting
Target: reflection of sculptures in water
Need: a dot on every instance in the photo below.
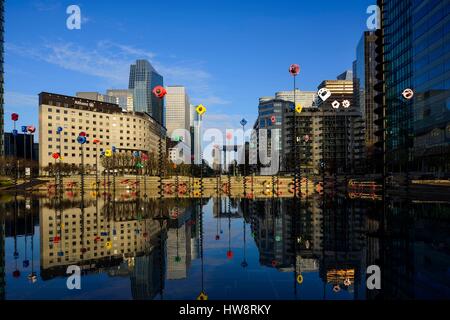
(314, 239)
(104, 235)
(331, 239)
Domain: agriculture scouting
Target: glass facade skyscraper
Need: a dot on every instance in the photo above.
(417, 55)
(398, 68)
(431, 83)
(143, 78)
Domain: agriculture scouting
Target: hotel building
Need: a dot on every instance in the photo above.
(126, 131)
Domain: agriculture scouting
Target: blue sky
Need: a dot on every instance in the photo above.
(227, 53)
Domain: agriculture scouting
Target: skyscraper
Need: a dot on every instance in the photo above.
(177, 109)
(2, 30)
(416, 54)
(363, 87)
(431, 83)
(143, 78)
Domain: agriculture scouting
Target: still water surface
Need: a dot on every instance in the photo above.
(226, 248)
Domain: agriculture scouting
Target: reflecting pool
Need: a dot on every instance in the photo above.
(220, 248)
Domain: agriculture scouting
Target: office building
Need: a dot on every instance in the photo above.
(124, 98)
(326, 137)
(96, 96)
(143, 78)
(305, 98)
(271, 113)
(431, 83)
(178, 110)
(2, 101)
(126, 131)
(26, 148)
(346, 75)
(416, 54)
(364, 81)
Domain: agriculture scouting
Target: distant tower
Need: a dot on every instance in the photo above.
(143, 78)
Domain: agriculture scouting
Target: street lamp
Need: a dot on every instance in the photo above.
(243, 123)
(15, 118)
(294, 70)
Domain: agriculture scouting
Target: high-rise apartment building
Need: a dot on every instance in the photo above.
(178, 110)
(126, 131)
(326, 137)
(341, 131)
(363, 87)
(143, 78)
(124, 98)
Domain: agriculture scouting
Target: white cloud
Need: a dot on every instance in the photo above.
(111, 61)
(211, 100)
(18, 100)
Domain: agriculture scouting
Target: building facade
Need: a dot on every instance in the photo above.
(96, 96)
(326, 137)
(177, 109)
(82, 239)
(398, 68)
(124, 98)
(416, 52)
(305, 98)
(126, 131)
(363, 87)
(431, 83)
(341, 131)
(143, 78)
(24, 145)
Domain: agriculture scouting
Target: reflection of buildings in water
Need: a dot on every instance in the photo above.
(274, 226)
(307, 264)
(147, 276)
(344, 244)
(70, 237)
(179, 245)
(21, 217)
(226, 207)
(412, 250)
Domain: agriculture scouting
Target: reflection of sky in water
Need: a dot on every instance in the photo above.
(223, 278)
